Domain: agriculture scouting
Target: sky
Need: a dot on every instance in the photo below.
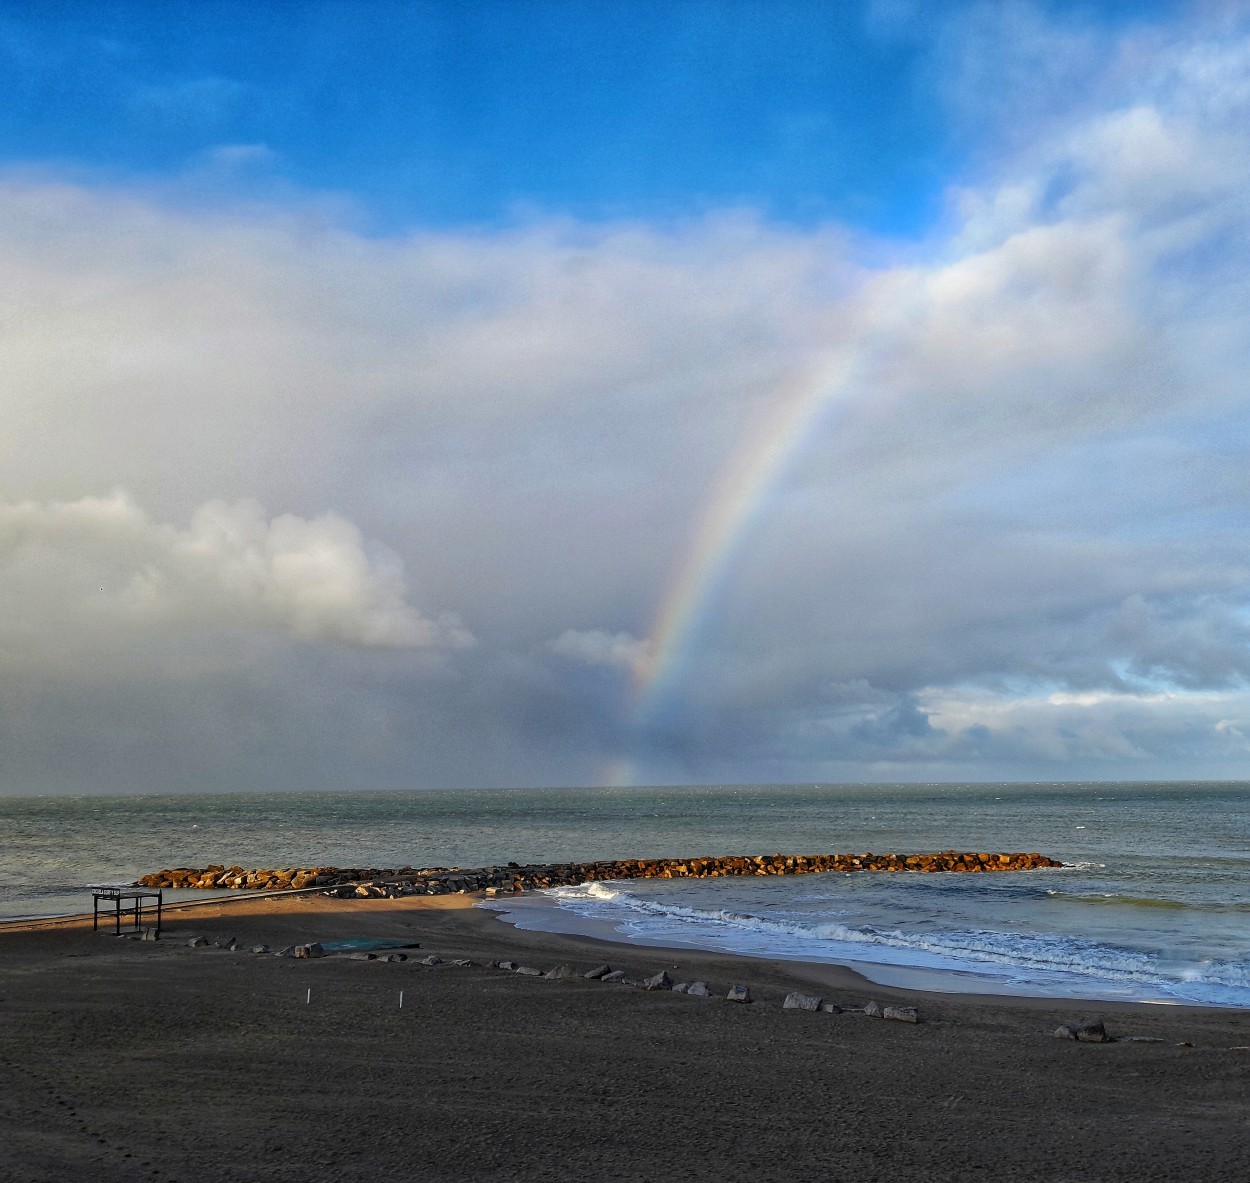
(455, 394)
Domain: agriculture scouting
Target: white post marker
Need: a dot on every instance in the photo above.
(401, 1000)
(309, 998)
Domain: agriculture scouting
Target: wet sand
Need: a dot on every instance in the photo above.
(129, 1060)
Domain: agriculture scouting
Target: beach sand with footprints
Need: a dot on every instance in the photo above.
(155, 1060)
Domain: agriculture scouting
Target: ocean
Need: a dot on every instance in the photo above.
(1153, 904)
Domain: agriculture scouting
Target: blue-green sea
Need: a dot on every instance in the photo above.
(1154, 903)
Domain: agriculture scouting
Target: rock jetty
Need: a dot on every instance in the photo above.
(513, 877)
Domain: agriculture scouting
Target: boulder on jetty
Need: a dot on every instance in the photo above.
(397, 882)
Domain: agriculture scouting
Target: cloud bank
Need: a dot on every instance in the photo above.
(1006, 540)
(101, 565)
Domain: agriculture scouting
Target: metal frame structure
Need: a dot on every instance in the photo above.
(119, 893)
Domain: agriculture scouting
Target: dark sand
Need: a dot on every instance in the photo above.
(127, 1060)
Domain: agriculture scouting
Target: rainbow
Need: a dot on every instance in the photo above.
(741, 491)
(736, 501)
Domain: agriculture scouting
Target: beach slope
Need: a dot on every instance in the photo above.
(136, 1060)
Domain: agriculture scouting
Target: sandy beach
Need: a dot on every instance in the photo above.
(133, 1060)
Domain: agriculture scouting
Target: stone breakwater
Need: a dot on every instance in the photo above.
(513, 877)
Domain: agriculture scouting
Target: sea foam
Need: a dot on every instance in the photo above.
(1011, 960)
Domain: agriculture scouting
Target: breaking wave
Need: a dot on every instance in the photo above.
(1042, 959)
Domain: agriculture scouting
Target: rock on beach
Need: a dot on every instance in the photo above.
(901, 1014)
(798, 1001)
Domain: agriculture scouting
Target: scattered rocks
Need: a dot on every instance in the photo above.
(699, 990)
(660, 981)
(289, 951)
(830, 1008)
(362, 956)
(901, 1014)
(738, 994)
(798, 1001)
(529, 971)
(260, 948)
(397, 957)
(680, 987)
(596, 974)
(432, 959)
(873, 1011)
(563, 973)
(461, 962)
(198, 943)
(511, 966)
(226, 943)
(616, 975)
(1065, 1032)
(313, 949)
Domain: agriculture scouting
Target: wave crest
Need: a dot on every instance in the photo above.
(1037, 956)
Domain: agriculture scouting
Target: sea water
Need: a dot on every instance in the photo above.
(1153, 904)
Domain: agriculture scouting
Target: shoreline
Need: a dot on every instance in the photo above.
(338, 1070)
(492, 924)
(898, 976)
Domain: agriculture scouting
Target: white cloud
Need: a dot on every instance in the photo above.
(101, 567)
(598, 647)
(1091, 729)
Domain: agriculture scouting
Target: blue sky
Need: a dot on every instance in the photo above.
(563, 393)
(438, 113)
